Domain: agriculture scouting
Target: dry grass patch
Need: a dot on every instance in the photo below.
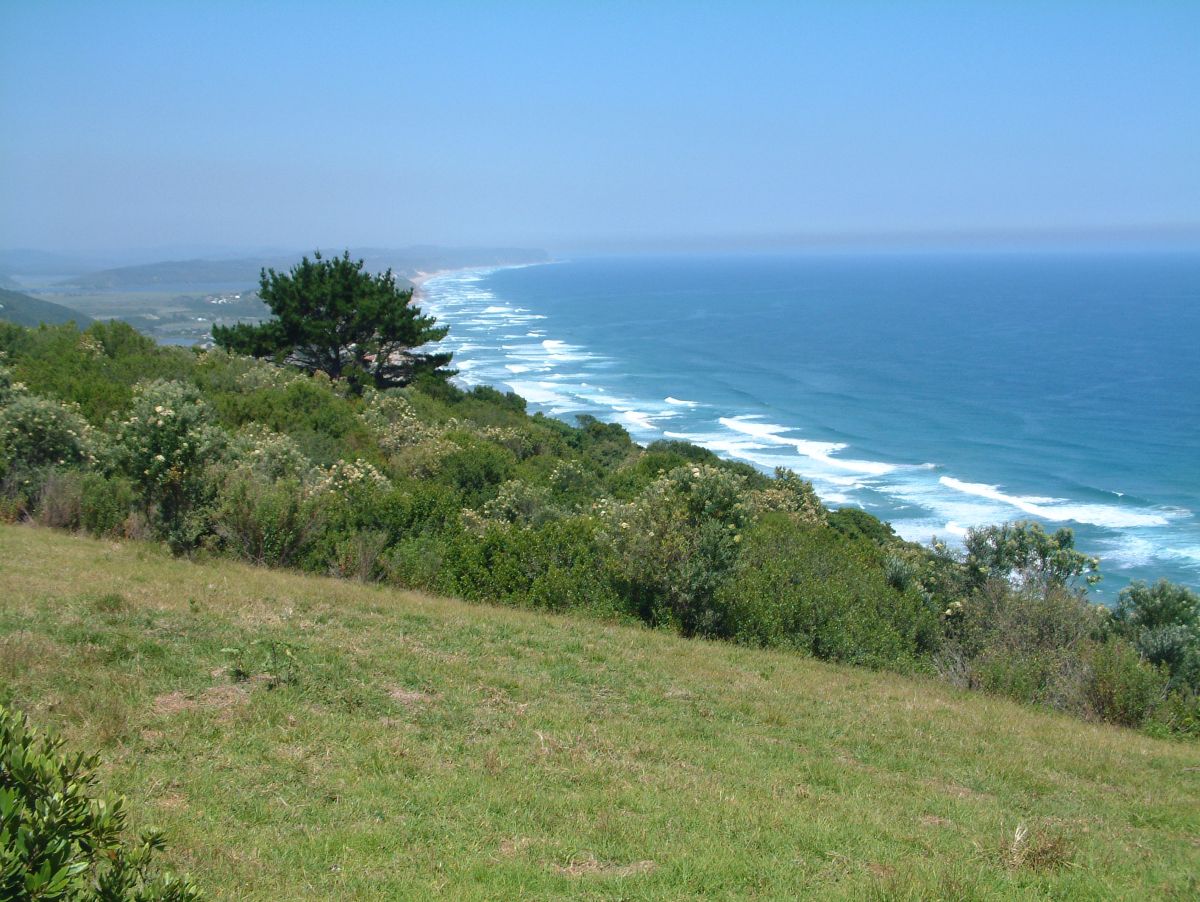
(590, 866)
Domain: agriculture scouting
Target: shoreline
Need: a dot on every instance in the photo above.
(763, 444)
(419, 279)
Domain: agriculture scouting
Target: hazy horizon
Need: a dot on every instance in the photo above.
(155, 131)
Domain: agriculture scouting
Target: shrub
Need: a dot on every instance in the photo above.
(105, 503)
(558, 565)
(675, 543)
(268, 523)
(61, 500)
(164, 447)
(857, 523)
(477, 470)
(36, 432)
(415, 562)
(10, 388)
(58, 839)
(268, 454)
(789, 494)
(1024, 643)
(1140, 606)
(1026, 555)
(358, 556)
(1178, 714)
(1163, 622)
(1120, 687)
(521, 504)
(817, 590)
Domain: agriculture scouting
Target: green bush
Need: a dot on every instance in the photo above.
(164, 447)
(858, 524)
(1025, 643)
(557, 566)
(95, 369)
(105, 504)
(477, 470)
(37, 432)
(1121, 688)
(271, 523)
(1177, 715)
(675, 543)
(817, 590)
(1163, 622)
(59, 839)
(1026, 555)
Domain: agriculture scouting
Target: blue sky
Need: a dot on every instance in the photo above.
(570, 125)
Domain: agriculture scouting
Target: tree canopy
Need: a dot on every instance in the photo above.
(330, 315)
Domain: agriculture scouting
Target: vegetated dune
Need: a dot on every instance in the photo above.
(299, 737)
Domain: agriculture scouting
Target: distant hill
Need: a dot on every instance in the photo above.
(177, 274)
(173, 274)
(27, 311)
(9, 282)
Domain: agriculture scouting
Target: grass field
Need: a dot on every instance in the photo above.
(309, 738)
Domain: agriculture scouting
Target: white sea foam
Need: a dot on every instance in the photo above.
(544, 393)
(1061, 509)
(680, 403)
(821, 452)
(637, 419)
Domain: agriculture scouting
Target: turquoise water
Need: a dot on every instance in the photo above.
(937, 392)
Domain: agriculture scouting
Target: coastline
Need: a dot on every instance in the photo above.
(419, 279)
(507, 342)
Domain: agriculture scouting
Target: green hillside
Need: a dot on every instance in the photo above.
(245, 272)
(302, 737)
(24, 310)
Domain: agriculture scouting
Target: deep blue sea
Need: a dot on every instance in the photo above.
(938, 392)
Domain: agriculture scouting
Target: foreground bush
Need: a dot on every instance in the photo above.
(58, 839)
(823, 592)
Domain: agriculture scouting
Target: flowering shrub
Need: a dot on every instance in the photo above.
(268, 454)
(789, 494)
(676, 541)
(9, 387)
(571, 482)
(394, 422)
(259, 375)
(164, 446)
(36, 432)
(348, 479)
(167, 438)
(522, 504)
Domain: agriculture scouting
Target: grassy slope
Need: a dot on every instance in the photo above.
(427, 745)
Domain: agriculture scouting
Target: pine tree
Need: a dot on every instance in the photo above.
(331, 316)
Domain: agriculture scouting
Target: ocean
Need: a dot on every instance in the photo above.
(937, 392)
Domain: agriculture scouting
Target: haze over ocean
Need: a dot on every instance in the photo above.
(935, 391)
